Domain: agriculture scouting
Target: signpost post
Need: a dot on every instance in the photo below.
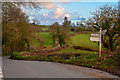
(100, 43)
(97, 37)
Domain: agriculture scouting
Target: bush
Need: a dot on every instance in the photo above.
(118, 57)
(14, 54)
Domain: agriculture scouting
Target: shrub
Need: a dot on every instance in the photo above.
(118, 57)
(13, 55)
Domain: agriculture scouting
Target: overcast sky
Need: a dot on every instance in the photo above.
(51, 12)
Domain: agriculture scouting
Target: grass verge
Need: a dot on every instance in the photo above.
(72, 50)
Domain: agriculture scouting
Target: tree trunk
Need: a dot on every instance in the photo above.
(27, 44)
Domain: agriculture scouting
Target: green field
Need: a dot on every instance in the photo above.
(44, 28)
(46, 38)
(72, 32)
(83, 40)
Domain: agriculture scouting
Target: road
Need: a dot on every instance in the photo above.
(41, 69)
(1, 68)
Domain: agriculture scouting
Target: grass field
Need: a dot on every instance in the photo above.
(46, 38)
(44, 28)
(83, 40)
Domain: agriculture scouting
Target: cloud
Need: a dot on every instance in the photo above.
(56, 14)
(59, 13)
(45, 14)
(48, 5)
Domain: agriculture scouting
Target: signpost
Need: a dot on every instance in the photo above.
(94, 34)
(97, 37)
(94, 38)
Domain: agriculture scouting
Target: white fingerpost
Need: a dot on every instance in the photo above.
(100, 43)
(94, 38)
(97, 37)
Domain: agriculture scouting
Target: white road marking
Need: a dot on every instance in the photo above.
(1, 73)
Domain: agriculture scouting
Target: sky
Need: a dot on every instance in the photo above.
(50, 12)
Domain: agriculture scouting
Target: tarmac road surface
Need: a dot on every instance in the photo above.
(1, 68)
(42, 69)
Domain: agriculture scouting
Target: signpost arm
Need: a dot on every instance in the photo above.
(100, 43)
